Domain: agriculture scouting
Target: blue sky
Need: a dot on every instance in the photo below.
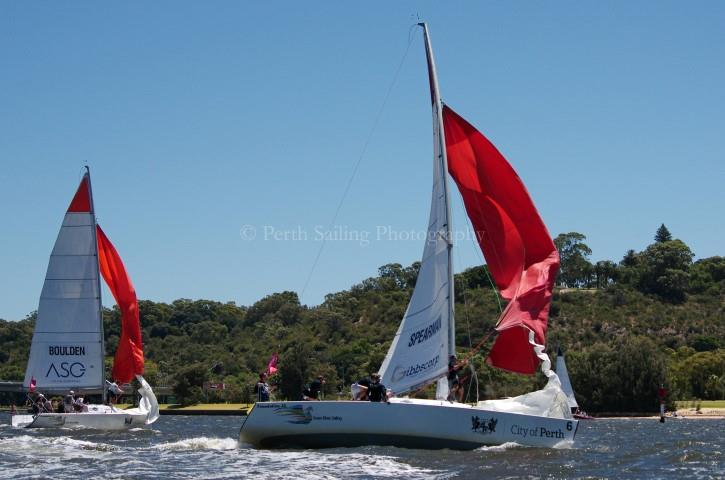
(200, 120)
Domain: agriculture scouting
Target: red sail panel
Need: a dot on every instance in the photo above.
(81, 202)
(518, 248)
(129, 359)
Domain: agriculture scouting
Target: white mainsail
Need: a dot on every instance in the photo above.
(563, 375)
(67, 347)
(425, 338)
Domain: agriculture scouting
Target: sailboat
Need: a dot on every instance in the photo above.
(67, 351)
(563, 373)
(523, 261)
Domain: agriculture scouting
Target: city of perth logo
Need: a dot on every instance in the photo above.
(482, 425)
(296, 413)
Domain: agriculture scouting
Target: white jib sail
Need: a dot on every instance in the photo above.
(419, 352)
(67, 348)
(563, 375)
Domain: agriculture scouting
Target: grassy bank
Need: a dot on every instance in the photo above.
(208, 406)
(702, 403)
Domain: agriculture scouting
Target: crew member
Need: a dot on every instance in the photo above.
(455, 389)
(68, 402)
(315, 390)
(361, 389)
(377, 391)
(262, 388)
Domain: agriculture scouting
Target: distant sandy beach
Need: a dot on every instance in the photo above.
(685, 413)
(704, 413)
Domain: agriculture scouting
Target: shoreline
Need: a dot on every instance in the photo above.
(683, 413)
(242, 409)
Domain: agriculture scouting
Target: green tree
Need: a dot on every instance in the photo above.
(605, 272)
(295, 368)
(574, 253)
(629, 268)
(641, 369)
(701, 375)
(283, 306)
(708, 274)
(665, 270)
(189, 383)
(663, 235)
(624, 378)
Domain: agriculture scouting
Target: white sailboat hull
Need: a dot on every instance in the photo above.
(428, 424)
(99, 417)
(119, 420)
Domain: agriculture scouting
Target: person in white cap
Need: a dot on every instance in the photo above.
(68, 402)
(47, 406)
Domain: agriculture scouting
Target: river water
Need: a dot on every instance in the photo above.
(207, 447)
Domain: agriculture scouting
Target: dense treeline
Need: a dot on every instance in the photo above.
(654, 317)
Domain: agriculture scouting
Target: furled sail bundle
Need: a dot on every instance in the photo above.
(517, 246)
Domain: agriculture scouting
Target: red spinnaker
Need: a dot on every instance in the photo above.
(129, 359)
(518, 248)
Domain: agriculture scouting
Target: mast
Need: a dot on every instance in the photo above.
(98, 285)
(439, 138)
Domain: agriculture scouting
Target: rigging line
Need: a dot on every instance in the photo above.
(466, 315)
(357, 165)
(477, 249)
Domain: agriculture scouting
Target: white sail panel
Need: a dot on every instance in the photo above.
(72, 267)
(419, 352)
(67, 348)
(563, 375)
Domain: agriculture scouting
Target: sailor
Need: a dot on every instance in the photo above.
(360, 389)
(315, 390)
(47, 405)
(455, 389)
(80, 405)
(377, 391)
(262, 388)
(115, 392)
(37, 405)
(68, 401)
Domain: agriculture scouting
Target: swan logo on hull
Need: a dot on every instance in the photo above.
(482, 425)
(301, 415)
(297, 414)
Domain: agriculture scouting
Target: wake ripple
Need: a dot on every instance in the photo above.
(500, 448)
(200, 443)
